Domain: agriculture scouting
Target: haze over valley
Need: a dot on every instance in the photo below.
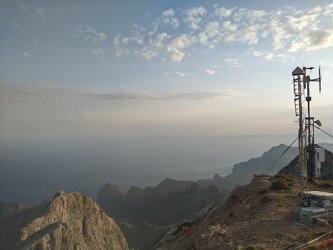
(165, 124)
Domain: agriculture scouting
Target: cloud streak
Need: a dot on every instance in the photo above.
(10, 93)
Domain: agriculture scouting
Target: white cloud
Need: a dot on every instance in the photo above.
(177, 44)
(212, 29)
(288, 29)
(26, 54)
(41, 12)
(206, 37)
(233, 62)
(99, 52)
(210, 71)
(303, 29)
(168, 13)
(161, 40)
(177, 76)
(194, 16)
(223, 12)
(229, 32)
(312, 40)
(89, 33)
(250, 34)
(270, 56)
(228, 26)
(182, 74)
(168, 18)
(177, 56)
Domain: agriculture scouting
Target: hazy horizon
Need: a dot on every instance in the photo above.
(33, 171)
(133, 92)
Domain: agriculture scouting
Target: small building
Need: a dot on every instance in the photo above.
(316, 205)
(319, 158)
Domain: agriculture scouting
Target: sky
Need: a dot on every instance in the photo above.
(131, 92)
(159, 68)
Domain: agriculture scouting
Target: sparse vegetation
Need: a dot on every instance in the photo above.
(280, 184)
(264, 191)
(316, 248)
(266, 199)
(231, 214)
(326, 183)
(234, 197)
(252, 247)
(289, 178)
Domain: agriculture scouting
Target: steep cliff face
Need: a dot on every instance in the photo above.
(68, 221)
(268, 163)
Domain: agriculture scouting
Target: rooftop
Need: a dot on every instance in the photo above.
(320, 193)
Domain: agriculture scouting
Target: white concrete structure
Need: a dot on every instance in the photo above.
(319, 158)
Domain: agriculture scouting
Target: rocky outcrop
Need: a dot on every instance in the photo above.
(268, 163)
(256, 216)
(68, 221)
(326, 167)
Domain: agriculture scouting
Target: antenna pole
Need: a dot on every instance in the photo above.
(298, 92)
(300, 76)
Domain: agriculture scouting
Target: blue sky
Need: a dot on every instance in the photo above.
(129, 68)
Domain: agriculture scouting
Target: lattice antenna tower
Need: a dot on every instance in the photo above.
(301, 84)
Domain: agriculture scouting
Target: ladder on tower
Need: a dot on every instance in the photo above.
(298, 94)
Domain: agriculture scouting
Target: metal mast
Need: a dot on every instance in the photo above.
(306, 152)
(298, 92)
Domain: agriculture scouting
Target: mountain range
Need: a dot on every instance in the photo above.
(207, 214)
(150, 212)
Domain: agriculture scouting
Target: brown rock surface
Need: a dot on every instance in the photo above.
(255, 215)
(68, 221)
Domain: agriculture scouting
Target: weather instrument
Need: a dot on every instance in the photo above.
(306, 146)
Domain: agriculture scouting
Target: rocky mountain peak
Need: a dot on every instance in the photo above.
(170, 185)
(68, 221)
(109, 191)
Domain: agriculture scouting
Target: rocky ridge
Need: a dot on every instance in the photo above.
(8, 209)
(326, 166)
(145, 215)
(258, 215)
(68, 221)
(268, 163)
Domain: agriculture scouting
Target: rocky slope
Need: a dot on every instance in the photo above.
(326, 167)
(68, 221)
(268, 163)
(8, 209)
(145, 215)
(256, 216)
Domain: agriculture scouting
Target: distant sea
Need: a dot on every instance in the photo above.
(32, 170)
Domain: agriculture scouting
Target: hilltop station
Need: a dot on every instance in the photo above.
(314, 204)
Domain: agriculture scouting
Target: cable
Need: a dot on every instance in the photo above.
(324, 131)
(285, 151)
